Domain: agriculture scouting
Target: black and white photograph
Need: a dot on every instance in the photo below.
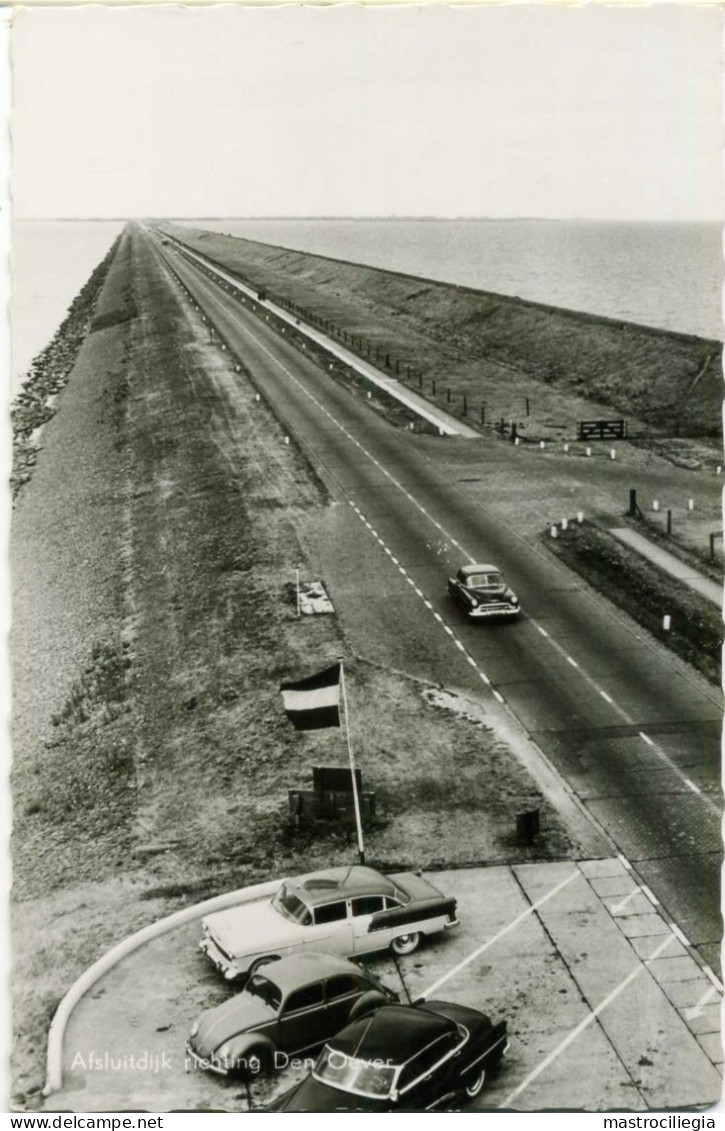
(366, 556)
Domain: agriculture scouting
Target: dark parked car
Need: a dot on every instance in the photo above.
(288, 1007)
(423, 1057)
(481, 591)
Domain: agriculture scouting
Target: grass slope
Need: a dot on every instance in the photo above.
(152, 756)
(492, 347)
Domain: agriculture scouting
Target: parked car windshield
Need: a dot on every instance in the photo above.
(363, 1077)
(259, 986)
(485, 581)
(291, 906)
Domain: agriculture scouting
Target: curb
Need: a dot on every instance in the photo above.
(56, 1033)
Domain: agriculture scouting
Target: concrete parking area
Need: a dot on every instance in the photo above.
(606, 1007)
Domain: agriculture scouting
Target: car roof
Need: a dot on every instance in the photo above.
(467, 570)
(308, 966)
(393, 1031)
(341, 883)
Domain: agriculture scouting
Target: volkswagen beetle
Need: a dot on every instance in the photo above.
(285, 1009)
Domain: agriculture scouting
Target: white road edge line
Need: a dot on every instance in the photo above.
(501, 934)
(679, 934)
(585, 1023)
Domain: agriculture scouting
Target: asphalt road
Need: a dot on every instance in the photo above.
(636, 737)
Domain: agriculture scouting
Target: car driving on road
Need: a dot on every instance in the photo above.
(423, 1057)
(481, 591)
(285, 1009)
(345, 911)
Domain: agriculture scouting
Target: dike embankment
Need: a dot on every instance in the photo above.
(152, 553)
(36, 403)
(543, 366)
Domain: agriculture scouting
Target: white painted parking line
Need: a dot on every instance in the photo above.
(500, 935)
(646, 738)
(573, 663)
(579, 1029)
(606, 697)
(691, 785)
(698, 1008)
(498, 696)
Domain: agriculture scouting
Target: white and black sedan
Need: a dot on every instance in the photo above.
(429, 1056)
(481, 591)
(347, 911)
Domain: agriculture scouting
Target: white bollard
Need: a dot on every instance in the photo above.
(517, 441)
(718, 469)
(369, 395)
(690, 504)
(411, 426)
(655, 504)
(564, 523)
(257, 397)
(542, 445)
(286, 439)
(566, 447)
(580, 517)
(666, 622)
(589, 451)
(612, 453)
(554, 532)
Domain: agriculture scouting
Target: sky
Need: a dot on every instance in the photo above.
(504, 111)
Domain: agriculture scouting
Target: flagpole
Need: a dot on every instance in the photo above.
(356, 799)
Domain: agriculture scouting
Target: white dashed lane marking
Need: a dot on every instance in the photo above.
(391, 478)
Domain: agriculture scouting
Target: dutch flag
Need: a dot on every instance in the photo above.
(314, 703)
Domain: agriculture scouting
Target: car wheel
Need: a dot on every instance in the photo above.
(261, 962)
(367, 1003)
(476, 1084)
(406, 944)
(258, 1062)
